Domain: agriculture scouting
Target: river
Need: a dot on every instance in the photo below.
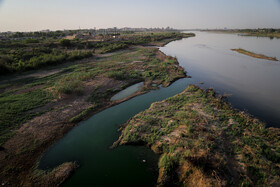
(251, 83)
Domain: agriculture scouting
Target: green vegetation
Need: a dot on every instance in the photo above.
(28, 54)
(15, 109)
(69, 85)
(249, 53)
(203, 140)
(54, 34)
(80, 116)
(69, 92)
(29, 40)
(65, 42)
(271, 33)
(113, 47)
(16, 60)
(20, 99)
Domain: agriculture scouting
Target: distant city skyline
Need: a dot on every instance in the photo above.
(34, 15)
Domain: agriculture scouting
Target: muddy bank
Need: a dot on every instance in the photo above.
(203, 141)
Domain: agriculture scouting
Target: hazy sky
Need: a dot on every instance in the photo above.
(30, 15)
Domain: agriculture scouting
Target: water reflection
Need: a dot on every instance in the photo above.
(128, 91)
(88, 144)
(252, 83)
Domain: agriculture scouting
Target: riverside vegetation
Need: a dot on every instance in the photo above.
(203, 141)
(38, 107)
(28, 54)
(271, 33)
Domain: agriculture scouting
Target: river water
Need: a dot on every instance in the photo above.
(88, 143)
(128, 91)
(252, 83)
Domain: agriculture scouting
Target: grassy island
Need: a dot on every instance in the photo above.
(70, 81)
(203, 141)
(255, 55)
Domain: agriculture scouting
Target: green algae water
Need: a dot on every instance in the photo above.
(88, 143)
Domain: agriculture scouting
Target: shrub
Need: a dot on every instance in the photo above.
(65, 42)
(30, 40)
(68, 85)
(118, 75)
(113, 47)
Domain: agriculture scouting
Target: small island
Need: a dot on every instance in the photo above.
(255, 55)
(203, 141)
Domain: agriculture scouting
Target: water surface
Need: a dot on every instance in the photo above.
(128, 91)
(89, 142)
(252, 83)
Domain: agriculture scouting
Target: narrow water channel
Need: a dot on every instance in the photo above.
(88, 144)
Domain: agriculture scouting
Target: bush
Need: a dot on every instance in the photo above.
(30, 40)
(65, 42)
(68, 85)
(37, 58)
(39, 61)
(76, 55)
(113, 47)
(118, 75)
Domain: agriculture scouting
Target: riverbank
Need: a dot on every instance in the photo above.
(51, 105)
(255, 55)
(269, 33)
(204, 141)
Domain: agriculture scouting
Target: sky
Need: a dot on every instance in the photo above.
(34, 15)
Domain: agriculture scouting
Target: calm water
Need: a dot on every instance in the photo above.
(128, 91)
(253, 83)
(89, 142)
